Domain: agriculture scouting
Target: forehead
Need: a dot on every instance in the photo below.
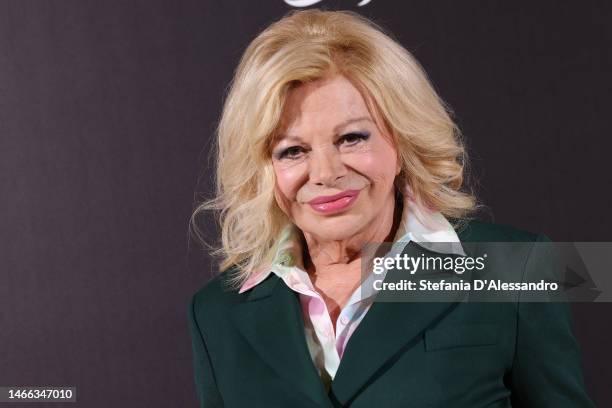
(322, 103)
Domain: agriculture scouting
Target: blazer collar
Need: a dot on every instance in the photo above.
(387, 329)
(271, 321)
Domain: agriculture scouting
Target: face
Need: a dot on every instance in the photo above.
(329, 145)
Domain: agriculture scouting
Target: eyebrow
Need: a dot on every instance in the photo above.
(336, 128)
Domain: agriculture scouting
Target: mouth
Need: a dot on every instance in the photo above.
(334, 203)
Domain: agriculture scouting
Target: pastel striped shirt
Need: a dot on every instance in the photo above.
(326, 346)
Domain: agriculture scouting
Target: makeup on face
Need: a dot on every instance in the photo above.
(334, 166)
(335, 203)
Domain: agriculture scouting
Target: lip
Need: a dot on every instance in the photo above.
(333, 203)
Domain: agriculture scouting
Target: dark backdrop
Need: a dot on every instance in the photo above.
(107, 109)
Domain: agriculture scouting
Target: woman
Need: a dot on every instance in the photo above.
(332, 138)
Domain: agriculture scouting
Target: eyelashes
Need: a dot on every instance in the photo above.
(349, 139)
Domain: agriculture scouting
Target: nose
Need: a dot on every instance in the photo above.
(326, 166)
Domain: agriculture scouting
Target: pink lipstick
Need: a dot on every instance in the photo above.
(334, 203)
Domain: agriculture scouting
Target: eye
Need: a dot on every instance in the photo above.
(295, 152)
(353, 138)
(292, 152)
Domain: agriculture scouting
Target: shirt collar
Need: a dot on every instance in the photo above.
(429, 229)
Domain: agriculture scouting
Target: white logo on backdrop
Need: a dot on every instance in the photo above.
(306, 3)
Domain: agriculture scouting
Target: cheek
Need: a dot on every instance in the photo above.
(378, 164)
(288, 179)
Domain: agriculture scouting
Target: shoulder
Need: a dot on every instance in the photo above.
(215, 298)
(514, 253)
(481, 231)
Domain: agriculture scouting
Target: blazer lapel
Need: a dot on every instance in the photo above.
(271, 320)
(386, 330)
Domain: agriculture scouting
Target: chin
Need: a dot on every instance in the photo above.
(338, 227)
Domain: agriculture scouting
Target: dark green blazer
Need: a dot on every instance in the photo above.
(250, 350)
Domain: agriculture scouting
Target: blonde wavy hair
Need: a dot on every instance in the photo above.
(304, 46)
